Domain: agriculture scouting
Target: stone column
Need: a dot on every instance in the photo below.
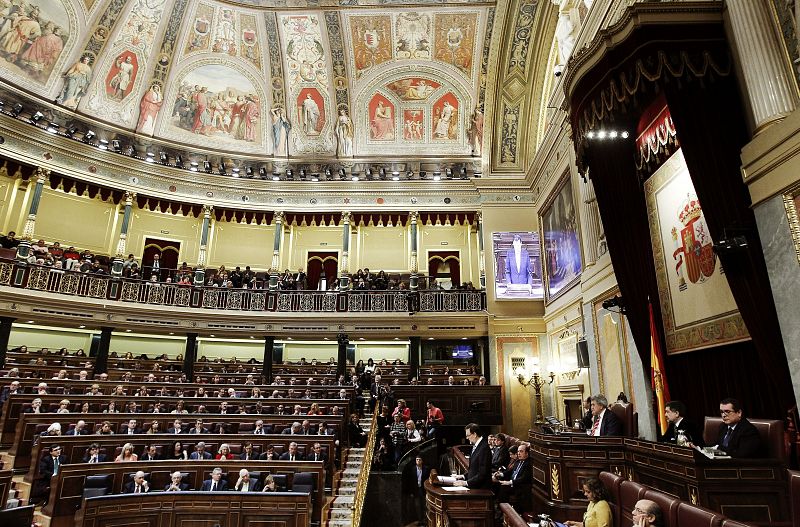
(344, 264)
(413, 357)
(413, 264)
(24, 247)
(341, 358)
(481, 252)
(101, 359)
(190, 356)
(5, 333)
(274, 269)
(117, 264)
(266, 365)
(200, 270)
(767, 78)
(590, 222)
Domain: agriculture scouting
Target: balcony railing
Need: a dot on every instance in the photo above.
(105, 287)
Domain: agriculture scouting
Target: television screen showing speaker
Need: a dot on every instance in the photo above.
(463, 351)
(518, 265)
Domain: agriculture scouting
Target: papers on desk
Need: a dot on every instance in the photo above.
(447, 479)
(455, 489)
(712, 453)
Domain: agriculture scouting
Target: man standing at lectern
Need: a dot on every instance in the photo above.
(518, 263)
(479, 474)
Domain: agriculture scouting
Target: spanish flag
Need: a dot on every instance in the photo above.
(658, 378)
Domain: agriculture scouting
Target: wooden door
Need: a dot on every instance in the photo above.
(168, 252)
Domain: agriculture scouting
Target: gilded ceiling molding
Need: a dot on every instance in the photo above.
(336, 43)
(168, 47)
(484, 73)
(275, 60)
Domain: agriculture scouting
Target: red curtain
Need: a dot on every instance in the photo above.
(436, 259)
(168, 252)
(321, 264)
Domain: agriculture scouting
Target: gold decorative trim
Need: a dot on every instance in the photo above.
(790, 202)
(555, 481)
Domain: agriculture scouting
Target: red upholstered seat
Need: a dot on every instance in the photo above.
(692, 516)
(629, 493)
(668, 505)
(629, 418)
(771, 431)
(612, 483)
(794, 495)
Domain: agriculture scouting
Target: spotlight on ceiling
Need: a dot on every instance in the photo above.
(463, 172)
(221, 170)
(409, 174)
(207, 167)
(302, 174)
(382, 173)
(248, 172)
(131, 151)
(423, 174)
(71, 131)
(163, 157)
(193, 166)
(395, 176)
(368, 173)
(289, 174)
(52, 128)
(437, 176)
(328, 174)
(235, 171)
(88, 136)
(448, 172)
(103, 144)
(115, 145)
(354, 176)
(342, 174)
(151, 157)
(262, 172)
(16, 110)
(36, 117)
(314, 177)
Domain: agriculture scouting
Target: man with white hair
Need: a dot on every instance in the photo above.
(216, 483)
(176, 484)
(138, 486)
(79, 429)
(244, 483)
(83, 375)
(41, 389)
(11, 389)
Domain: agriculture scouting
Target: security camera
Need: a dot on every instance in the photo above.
(558, 69)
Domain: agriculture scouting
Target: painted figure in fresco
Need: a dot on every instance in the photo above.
(183, 110)
(344, 134)
(251, 117)
(76, 80)
(442, 130)
(202, 114)
(120, 82)
(476, 132)
(20, 30)
(148, 110)
(310, 112)
(40, 57)
(382, 122)
(280, 132)
(237, 118)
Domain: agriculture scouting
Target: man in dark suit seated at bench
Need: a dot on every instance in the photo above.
(216, 483)
(139, 485)
(94, 455)
(737, 436)
(176, 484)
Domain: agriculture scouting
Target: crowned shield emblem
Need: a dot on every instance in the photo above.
(695, 254)
(249, 36)
(371, 39)
(202, 26)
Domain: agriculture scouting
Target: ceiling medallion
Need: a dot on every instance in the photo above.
(173, 188)
(92, 169)
(379, 201)
(245, 198)
(413, 200)
(447, 201)
(517, 198)
(133, 180)
(313, 201)
(209, 194)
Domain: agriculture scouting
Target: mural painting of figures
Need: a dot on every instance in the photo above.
(372, 45)
(225, 34)
(413, 125)
(148, 110)
(219, 102)
(76, 80)
(413, 36)
(445, 118)
(561, 247)
(280, 132)
(413, 89)
(32, 36)
(311, 111)
(120, 78)
(381, 124)
(455, 39)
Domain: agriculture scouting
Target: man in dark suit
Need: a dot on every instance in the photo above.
(131, 428)
(516, 481)
(588, 419)
(154, 268)
(413, 484)
(176, 428)
(737, 436)
(78, 430)
(248, 453)
(605, 422)
(198, 428)
(245, 483)
(500, 456)
(138, 486)
(675, 412)
(479, 474)
(94, 455)
(176, 484)
(150, 454)
(200, 452)
(48, 467)
(316, 454)
(216, 483)
(292, 454)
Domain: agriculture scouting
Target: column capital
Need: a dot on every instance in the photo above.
(279, 216)
(207, 210)
(413, 216)
(346, 216)
(129, 197)
(42, 174)
(479, 216)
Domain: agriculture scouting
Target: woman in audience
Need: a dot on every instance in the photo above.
(269, 484)
(119, 390)
(86, 408)
(314, 409)
(397, 433)
(105, 429)
(155, 428)
(256, 393)
(357, 435)
(403, 410)
(179, 408)
(201, 392)
(178, 452)
(52, 430)
(224, 452)
(127, 454)
(413, 437)
(63, 407)
(598, 512)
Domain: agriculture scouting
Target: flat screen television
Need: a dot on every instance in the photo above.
(462, 351)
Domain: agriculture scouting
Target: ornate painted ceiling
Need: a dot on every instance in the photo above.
(278, 79)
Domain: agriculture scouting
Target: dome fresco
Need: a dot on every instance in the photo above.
(252, 77)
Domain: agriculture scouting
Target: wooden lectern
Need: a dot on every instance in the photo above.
(466, 508)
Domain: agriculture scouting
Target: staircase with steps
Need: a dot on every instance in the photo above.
(340, 512)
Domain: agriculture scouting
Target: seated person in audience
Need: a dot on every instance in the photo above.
(298, 410)
(224, 452)
(198, 428)
(588, 419)
(150, 454)
(516, 481)
(179, 408)
(295, 429)
(269, 484)
(94, 390)
(62, 374)
(451, 381)
(500, 456)
(178, 451)
(78, 430)
(291, 454)
(201, 409)
(35, 407)
(306, 428)
(259, 428)
(52, 430)
(737, 436)
(244, 483)
(647, 513)
(223, 408)
(155, 428)
(481, 381)
(111, 408)
(133, 408)
(139, 485)
(269, 455)
(11, 389)
(93, 455)
(200, 452)
(131, 428)
(248, 452)
(316, 453)
(598, 512)
(127, 454)
(215, 483)
(176, 483)
(280, 410)
(105, 429)
(356, 434)
(48, 467)
(605, 423)
(675, 412)
(176, 428)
